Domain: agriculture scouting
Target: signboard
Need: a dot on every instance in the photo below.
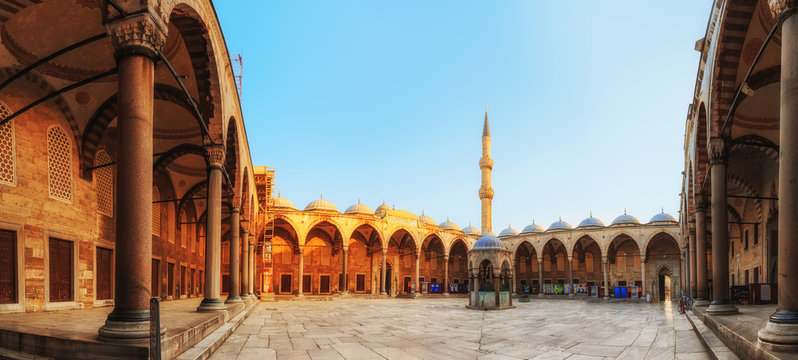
(155, 330)
(594, 291)
(558, 289)
(567, 289)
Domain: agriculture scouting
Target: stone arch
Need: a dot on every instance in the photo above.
(374, 237)
(586, 254)
(231, 158)
(664, 270)
(622, 249)
(176, 152)
(554, 255)
(107, 112)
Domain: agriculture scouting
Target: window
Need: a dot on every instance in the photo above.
(183, 229)
(59, 164)
(182, 280)
(105, 184)
(285, 283)
(575, 263)
(156, 211)
(621, 261)
(225, 284)
(170, 279)
(170, 222)
(746, 240)
(589, 262)
(156, 280)
(324, 284)
(8, 162)
(621, 283)
(361, 283)
(104, 257)
(226, 253)
(8, 265)
(60, 270)
(756, 275)
(193, 281)
(560, 263)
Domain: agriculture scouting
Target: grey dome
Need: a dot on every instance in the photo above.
(321, 205)
(560, 225)
(509, 231)
(382, 208)
(662, 218)
(489, 242)
(470, 230)
(359, 209)
(426, 220)
(625, 219)
(281, 202)
(448, 225)
(591, 222)
(532, 228)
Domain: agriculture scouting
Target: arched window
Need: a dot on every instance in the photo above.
(575, 263)
(560, 262)
(59, 164)
(547, 264)
(156, 211)
(621, 261)
(589, 262)
(8, 156)
(183, 229)
(105, 184)
(171, 222)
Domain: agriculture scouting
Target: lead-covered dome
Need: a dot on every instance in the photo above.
(560, 225)
(283, 203)
(509, 231)
(470, 230)
(489, 242)
(426, 220)
(382, 208)
(448, 225)
(532, 228)
(625, 219)
(361, 209)
(321, 204)
(591, 222)
(662, 218)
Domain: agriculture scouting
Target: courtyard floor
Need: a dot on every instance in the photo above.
(444, 329)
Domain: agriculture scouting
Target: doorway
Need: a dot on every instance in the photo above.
(389, 277)
(408, 286)
(664, 287)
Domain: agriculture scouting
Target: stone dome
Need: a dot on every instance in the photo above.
(509, 231)
(489, 242)
(448, 225)
(470, 230)
(625, 219)
(662, 218)
(532, 228)
(321, 204)
(359, 209)
(560, 225)
(591, 222)
(426, 220)
(283, 203)
(382, 208)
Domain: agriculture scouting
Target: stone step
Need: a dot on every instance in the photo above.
(205, 348)
(715, 347)
(16, 355)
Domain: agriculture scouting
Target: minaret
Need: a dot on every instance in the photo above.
(486, 165)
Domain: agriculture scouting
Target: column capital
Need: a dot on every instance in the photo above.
(701, 203)
(779, 7)
(234, 209)
(718, 150)
(214, 155)
(136, 34)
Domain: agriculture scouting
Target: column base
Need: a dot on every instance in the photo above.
(701, 302)
(540, 294)
(127, 325)
(211, 305)
(234, 299)
(344, 292)
(383, 293)
(300, 295)
(721, 308)
(779, 336)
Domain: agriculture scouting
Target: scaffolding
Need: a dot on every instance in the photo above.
(238, 72)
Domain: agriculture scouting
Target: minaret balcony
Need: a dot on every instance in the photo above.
(485, 193)
(486, 162)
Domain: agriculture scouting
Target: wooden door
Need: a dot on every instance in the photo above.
(155, 282)
(306, 284)
(60, 270)
(8, 267)
(285, 284)
(103, 273)
(225, 284)
(361, 283)
(182, 280)
(170, 279)
(324, 284)
(192, 282)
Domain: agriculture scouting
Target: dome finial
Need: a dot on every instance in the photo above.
(624, 211)
(358, 199)
(393, 205)
(321, 195)
(533, 221)
(591, 213)
(278, 193)
(663, 208)
(560, 217)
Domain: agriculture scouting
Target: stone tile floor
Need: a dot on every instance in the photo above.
(444, 329)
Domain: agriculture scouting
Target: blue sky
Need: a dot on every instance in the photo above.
(385, 100)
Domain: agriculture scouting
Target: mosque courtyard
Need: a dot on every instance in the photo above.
(442, 328)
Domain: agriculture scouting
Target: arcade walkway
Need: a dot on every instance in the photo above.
(444, 329)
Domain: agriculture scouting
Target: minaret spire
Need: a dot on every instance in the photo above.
(486, 166)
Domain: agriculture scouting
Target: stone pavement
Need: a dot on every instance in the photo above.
(444, 329)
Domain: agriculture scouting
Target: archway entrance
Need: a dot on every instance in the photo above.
(389, 277)
(664, 283)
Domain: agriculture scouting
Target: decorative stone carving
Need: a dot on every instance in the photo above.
(718, 151)
(214, 155)
(778, 7)
(701, 203)
(136, 34)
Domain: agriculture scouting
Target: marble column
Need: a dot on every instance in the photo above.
(606, 283)
(235, 248)
(497, 289)
(721, 297)
(475, 289)
(245, 273)
(345, 286)
(540, 277)
(417, 288)
(445, 274)
(251, 287)
(702, 296)
(781, 331)
(136, 40)
(213, 234)
(301, 270)
(384, 273)
(571, 275)
(693, 271)
(643, 276)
